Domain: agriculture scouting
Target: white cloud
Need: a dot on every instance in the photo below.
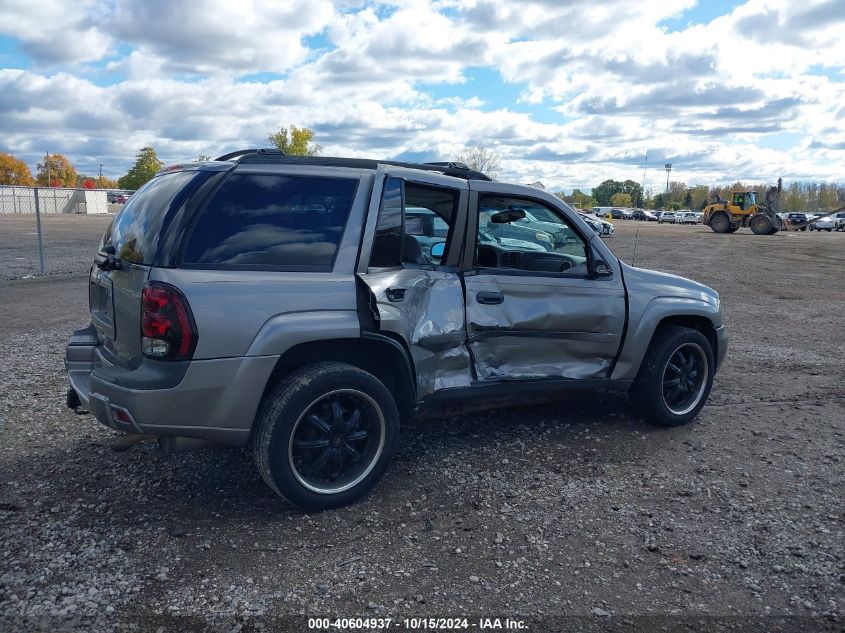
(598, 84)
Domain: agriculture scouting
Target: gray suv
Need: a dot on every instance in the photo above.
(306, 306)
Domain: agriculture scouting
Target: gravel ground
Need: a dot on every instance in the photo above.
(571, 516)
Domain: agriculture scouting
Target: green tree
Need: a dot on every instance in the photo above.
(634, 190)
(605, 190)
(13, 171)
(296, 142)
(480, 159)
(146, 166)
(56, 171)
(621, 200)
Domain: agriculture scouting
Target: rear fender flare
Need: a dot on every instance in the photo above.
(284, 331)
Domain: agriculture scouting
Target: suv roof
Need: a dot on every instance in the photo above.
(266, 155)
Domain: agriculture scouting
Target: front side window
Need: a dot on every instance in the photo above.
(521, 234)
(263, 220)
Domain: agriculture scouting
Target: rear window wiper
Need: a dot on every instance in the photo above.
(110, 261)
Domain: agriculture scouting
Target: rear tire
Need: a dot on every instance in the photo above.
(676, 376)
(720, 222)
(325, 435)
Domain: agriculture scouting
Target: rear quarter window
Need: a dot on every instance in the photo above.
(272, 221)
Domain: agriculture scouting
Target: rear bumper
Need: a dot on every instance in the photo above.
(215, 400)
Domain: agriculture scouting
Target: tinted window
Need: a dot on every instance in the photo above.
(271, 220)
(413, 220)
(135, 230)
(387, 244)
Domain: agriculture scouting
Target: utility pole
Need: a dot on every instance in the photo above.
(668, 169)
(101, 174)
(642, 193)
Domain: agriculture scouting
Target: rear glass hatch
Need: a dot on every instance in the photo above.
(130, 246)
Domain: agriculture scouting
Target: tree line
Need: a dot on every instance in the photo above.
(796, 197)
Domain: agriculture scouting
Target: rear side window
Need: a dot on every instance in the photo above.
(135, 231)
(261, 220)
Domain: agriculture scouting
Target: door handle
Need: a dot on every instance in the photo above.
(489, 298)
(395, 294)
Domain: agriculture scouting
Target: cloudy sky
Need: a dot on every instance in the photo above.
(569, 92)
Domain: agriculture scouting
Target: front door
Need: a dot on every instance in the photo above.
(535, 312)
(409, 262)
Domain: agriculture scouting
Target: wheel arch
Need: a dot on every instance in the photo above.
(660, 312)
(381, 355)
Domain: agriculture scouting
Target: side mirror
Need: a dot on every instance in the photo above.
(506, 217)
(438, 249)
(602, 269)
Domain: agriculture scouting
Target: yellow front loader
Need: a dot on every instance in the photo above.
(742, 209)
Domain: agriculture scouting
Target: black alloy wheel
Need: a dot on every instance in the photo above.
(685, 378)
(337, 441)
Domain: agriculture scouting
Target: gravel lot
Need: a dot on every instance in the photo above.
(572, 516)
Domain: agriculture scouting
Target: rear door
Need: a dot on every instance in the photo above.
(534, 314)
(409, 263)
(133, 237)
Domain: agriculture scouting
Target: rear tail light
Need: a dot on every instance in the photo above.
(167, 325)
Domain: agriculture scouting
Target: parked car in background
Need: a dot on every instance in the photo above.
(515, 230)
(593, 222)
(667, 216)
(537, 217)
(839, 221)
(643, 216)
(607, 228)
(688, 218)
(794, 219)
(601, 212)
(823, 224)
(616, 214)
(627, 214)
(116, 197)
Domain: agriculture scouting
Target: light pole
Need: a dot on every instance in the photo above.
(668, 169)
(101, 174)
(642, 193)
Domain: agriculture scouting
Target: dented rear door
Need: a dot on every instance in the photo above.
(419, 297)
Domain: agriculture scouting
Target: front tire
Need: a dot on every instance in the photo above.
(676, 376)
(325, 435)
(761, 225)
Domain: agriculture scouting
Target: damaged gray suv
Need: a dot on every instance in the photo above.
(308, 306)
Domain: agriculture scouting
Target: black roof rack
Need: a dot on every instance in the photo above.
(251, 156)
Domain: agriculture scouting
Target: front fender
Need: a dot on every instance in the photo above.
(643, 323)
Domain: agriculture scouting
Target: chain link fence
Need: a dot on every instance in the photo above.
(48, 231)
